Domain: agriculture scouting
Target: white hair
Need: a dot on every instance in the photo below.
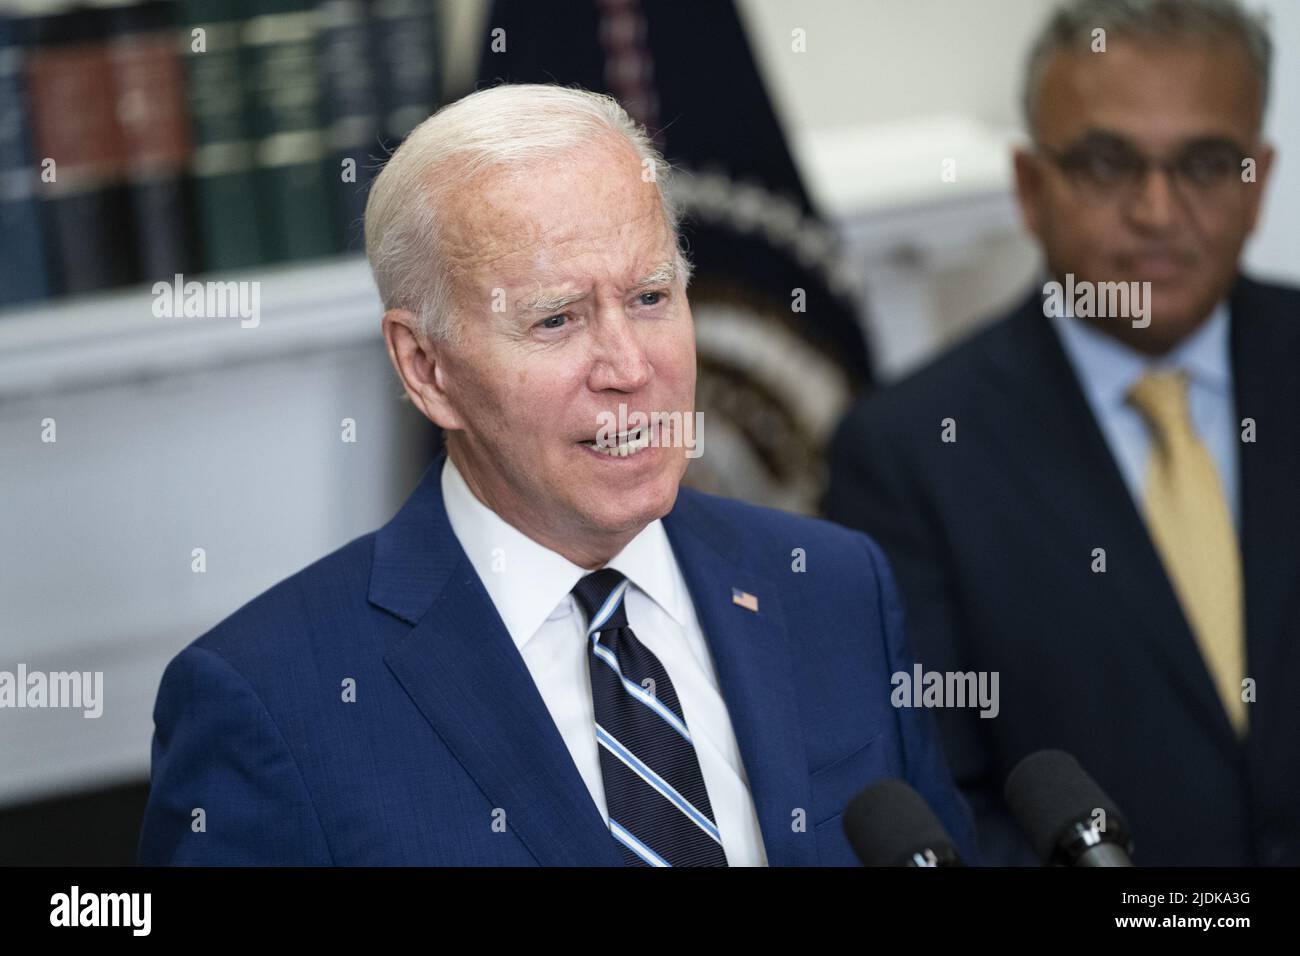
(502, 127)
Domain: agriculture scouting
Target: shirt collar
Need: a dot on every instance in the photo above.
(529, 583)
(649, 563)
(1206, 352)
(1108, 367)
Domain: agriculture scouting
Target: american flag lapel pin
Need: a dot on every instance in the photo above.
(744, 599)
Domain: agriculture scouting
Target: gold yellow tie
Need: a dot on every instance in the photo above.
(1189, 521)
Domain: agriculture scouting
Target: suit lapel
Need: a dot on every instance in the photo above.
(1265, 342)
(1058, 450)
(464, 673)
(753, 657)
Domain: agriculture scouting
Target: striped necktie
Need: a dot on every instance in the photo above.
(659, 809)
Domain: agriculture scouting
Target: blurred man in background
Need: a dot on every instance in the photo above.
(1099, 504)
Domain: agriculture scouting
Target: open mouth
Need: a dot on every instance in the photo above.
(622, 446)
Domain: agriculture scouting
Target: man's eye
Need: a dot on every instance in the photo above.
(1102, 167)
(553, 322)
(651, 298)
(1207, 166)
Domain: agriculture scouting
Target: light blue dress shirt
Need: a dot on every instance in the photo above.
(1107, 368)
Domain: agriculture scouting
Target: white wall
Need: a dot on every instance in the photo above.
(1275, 250)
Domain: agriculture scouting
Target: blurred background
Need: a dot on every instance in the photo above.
(157, 472)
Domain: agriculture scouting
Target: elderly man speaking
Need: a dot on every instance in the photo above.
(552, 654)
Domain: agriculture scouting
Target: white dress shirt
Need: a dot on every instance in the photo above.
(1107, 369)
(530, 586)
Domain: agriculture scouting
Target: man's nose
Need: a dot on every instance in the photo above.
(1152, 208)
(620, 358)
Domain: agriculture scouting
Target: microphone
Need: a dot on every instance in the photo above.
(889, 824)
(1056, 803)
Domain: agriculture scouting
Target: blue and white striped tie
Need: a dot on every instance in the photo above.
(659, 809)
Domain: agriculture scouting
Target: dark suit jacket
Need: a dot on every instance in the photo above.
(448, 727)
(992, 538)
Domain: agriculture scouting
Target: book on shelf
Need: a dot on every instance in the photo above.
(148, 138)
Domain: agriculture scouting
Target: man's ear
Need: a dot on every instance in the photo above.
(421, 365)
(1029, 187)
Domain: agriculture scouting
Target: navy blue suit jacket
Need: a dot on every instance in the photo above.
(448, 732)
(992, 538)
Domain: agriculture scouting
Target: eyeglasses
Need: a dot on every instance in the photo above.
(1109, 167)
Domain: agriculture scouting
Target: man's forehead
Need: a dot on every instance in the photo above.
(536, 219)
(1150, 91)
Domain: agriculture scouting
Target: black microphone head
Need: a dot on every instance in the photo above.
(889, 822)
(1055, 801)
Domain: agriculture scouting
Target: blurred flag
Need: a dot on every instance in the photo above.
(780, 346)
